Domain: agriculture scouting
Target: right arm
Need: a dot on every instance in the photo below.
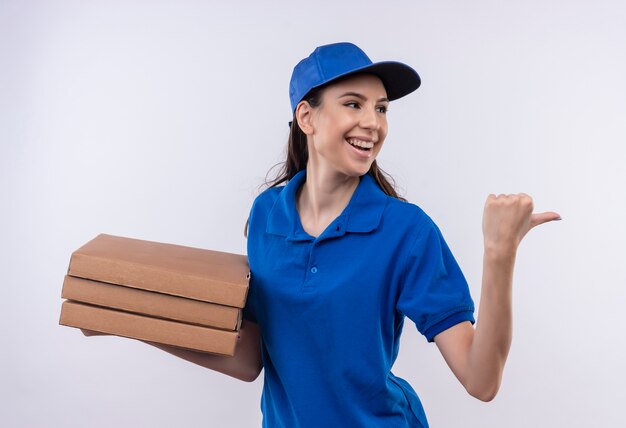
(245, 365)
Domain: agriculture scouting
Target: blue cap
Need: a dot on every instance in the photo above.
(330, 62)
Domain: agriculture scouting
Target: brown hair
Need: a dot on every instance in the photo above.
(298, 155)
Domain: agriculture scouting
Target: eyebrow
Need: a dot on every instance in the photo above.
(361, 96)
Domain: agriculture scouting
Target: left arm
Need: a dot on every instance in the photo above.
(477, 356)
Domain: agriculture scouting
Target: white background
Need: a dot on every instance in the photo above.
(159, 120)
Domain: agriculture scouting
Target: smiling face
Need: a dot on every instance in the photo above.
(346, 131)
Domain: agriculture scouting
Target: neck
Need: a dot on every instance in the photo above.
(323, 197)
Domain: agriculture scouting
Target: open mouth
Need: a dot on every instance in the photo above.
(365, 146)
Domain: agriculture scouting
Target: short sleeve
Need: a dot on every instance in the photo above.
(433, 291)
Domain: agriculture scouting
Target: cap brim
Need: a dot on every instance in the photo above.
(399, 79)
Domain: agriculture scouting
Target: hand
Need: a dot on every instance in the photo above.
(508, 218)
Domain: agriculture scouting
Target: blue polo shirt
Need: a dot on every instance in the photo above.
(331, 309)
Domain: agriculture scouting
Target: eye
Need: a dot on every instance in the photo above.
(352, 104)
(382, 109)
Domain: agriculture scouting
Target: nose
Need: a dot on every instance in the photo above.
(370, 119)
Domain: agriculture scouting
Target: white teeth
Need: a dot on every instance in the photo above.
(361, 143)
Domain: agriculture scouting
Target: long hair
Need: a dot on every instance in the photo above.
(298, 155)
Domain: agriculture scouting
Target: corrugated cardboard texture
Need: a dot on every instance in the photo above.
(151, 303)
(207, 275)
(141, 327)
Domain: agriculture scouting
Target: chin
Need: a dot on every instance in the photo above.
(358, 172)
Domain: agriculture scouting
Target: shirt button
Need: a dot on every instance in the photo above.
(314, 269)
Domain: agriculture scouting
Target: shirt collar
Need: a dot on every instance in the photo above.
(361, 215)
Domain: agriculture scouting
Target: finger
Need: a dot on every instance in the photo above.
(541, 218)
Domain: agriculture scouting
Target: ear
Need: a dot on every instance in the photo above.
(304, 116)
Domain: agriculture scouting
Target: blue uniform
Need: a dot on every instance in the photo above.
(331, 308)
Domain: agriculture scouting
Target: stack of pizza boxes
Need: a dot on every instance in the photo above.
(163, 293)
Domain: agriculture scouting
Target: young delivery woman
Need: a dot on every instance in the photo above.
(338, 260)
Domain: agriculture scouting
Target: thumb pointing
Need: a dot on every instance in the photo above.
(541, 218)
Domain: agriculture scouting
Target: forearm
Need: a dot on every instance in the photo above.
(492, 338)
(244, 365)
(477, 356)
